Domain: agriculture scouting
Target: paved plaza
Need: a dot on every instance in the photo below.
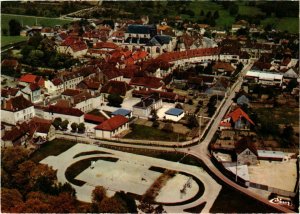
(131, 174)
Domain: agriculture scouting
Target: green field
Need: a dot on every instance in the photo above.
(31, 20)
(288, 23)
(142, 132)
(6, 40)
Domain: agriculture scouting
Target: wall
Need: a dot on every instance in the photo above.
(14, 117)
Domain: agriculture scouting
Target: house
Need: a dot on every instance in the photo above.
(290, 74)
(32, 92)
(73, 115)
(242, 100)
(238, 120)
(272, 155)
(16, 109)
(10, 64)
(143, 109)
(174, 114)
(124, 112)
(27, 79)
(116, 87)
(54, 86)
(91, 85)
(239, 25)
(264, 77)
(18, 136)
(220, 87)
(44, 130)
(81, 100)
(36, 131)
(246, 152)
(76, 48)
(223, 68)
(8, 92)
(112, 127)
(146, 83)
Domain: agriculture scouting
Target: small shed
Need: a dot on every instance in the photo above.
(174, 114)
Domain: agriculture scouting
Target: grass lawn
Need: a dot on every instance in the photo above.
(142, 132)
(280, 115)
(31, 20)
(249, 11)
(6, 40)
(288, 23)
(54, 147)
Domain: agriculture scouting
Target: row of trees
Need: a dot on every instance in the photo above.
(58, 123)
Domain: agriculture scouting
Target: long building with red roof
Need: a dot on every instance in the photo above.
(112, 127)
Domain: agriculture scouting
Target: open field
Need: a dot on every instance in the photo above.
(280, 115)
(31, 20)
(6, 40)
(142, 132)
(275, 174)
(287, 23)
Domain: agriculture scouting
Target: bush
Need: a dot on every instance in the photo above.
(74, 127)
(57, 122)
(81, 128)
(64, 125)
(155, 124)
(114, 100)
(168, 127)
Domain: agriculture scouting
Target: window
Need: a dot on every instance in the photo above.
(157, 50)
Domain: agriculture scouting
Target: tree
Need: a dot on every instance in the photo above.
(155, 124)
(74, 127)
(292, 84)
(35, 40)
(11, 157)
(98, 194)
(112, 205)
(81, 128)
(57, 122)
(64, 125)
(14, 27)
(4, 31)
(202, 13)
(192, 122)
(288, 132)
(9, 199)
(208, 15)
(114, 100)
(233, 9)
(129, 201)
(153, 114)
(216, 14)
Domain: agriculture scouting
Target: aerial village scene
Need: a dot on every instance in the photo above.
(150, 106)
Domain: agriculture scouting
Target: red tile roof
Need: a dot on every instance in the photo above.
(115, 87)
(71, 92)
(10, 63)
(237, 114)
(16, 104)
(93, 118)
(67, 111)
(78, 46)
(179, 55)
(34, 86)
(5, 92)
(223, 65)
(112, 123)
(57, 81)
(108, 45)
(149, 82)
(30, 78)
